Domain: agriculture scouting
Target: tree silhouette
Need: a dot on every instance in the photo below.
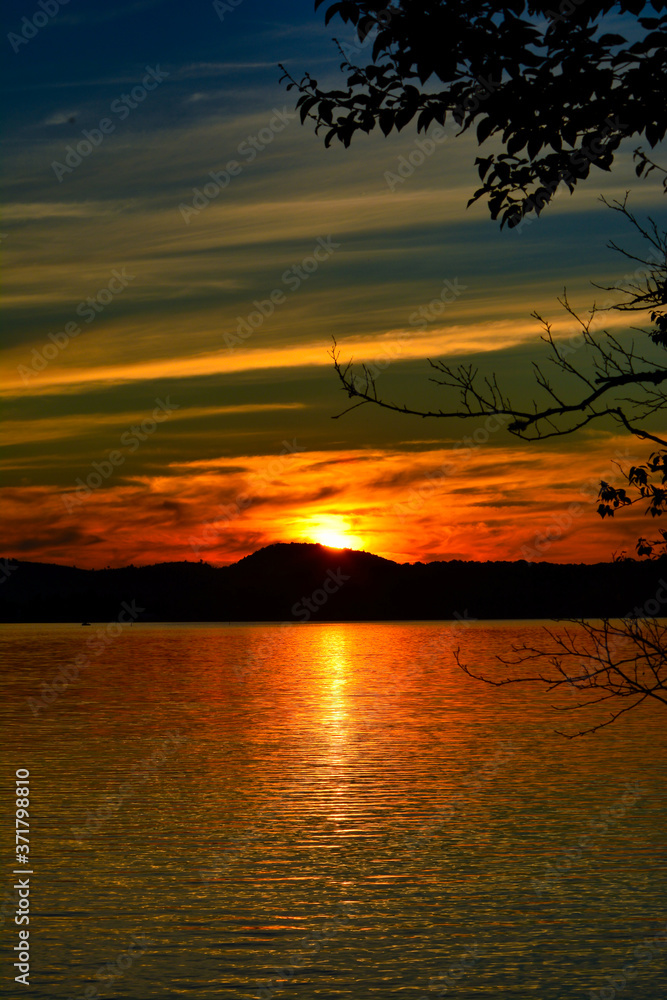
(624, 659)
(553, 92)
(602, 661)
(595, 387)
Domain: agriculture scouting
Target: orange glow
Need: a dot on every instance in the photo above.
(499, 502)
(334, 532)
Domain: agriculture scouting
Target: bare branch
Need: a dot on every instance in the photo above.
(613, 364)
(628, 660)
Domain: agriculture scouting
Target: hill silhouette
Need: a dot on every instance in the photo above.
(308, 582)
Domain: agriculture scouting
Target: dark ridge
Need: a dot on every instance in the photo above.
(296, 582)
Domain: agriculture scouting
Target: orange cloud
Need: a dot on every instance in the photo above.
(466, 501)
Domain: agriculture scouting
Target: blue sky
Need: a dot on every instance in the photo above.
(195, 278)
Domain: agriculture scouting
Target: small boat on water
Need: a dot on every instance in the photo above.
(85, 623)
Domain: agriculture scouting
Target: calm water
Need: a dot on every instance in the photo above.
(325, 811)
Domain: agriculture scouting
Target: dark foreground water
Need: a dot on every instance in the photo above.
(323, 811)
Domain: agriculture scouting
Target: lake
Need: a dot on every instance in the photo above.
(324, 811)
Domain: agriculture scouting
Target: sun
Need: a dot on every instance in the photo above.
(335, 540)
(334, 532)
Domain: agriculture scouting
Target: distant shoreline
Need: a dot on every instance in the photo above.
(302, 582)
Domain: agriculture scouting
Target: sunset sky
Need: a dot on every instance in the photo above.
(219, 418)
